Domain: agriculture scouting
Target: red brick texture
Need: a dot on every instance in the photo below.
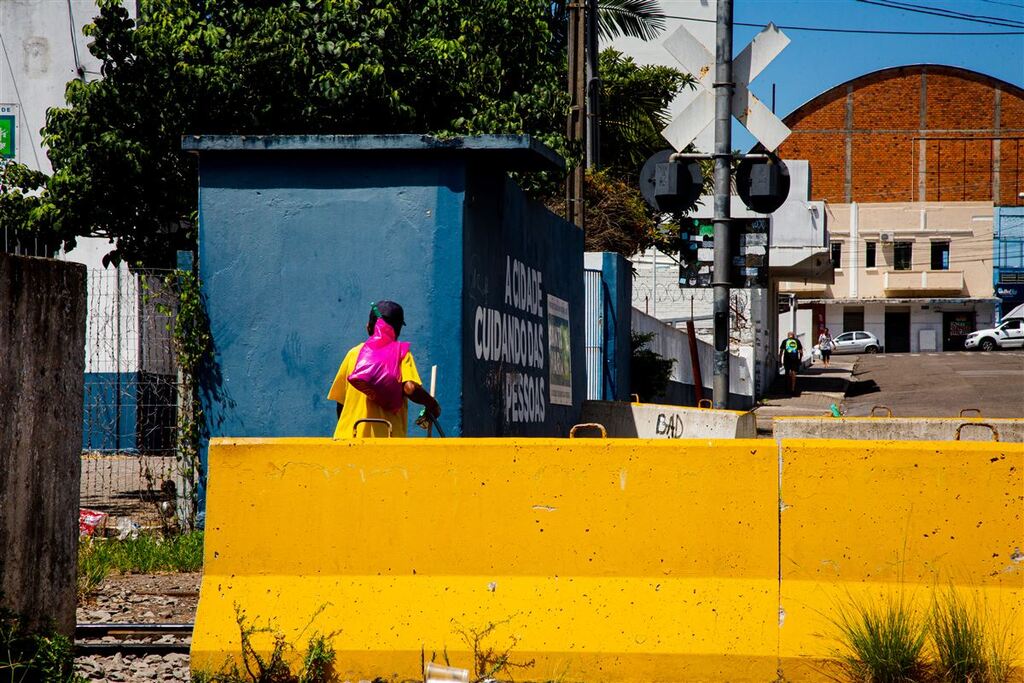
(864, 138)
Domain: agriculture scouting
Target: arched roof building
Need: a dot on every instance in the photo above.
(921, 132)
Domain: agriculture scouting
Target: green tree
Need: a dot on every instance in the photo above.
(634, 111)
(447, 67)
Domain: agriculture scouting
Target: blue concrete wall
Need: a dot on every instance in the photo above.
(293, 248)
(617, 283)
(508, 243)
(298, 235)
(109, 415)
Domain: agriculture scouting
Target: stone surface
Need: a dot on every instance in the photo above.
(42, 337)
(165, 598)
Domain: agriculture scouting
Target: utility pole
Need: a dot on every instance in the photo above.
(593, 89)
(574, 209)
(723, 88)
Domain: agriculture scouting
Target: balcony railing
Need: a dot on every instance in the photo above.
(803, 289)
(934, 281)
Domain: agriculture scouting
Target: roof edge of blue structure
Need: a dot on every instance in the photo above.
(521, 152)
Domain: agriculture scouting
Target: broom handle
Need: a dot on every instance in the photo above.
(433, 387)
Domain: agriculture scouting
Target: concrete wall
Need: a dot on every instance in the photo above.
(898, 428)
(299, 234)
(601, 560)
(673, 343)
(45, 46)
(511, 243)
(42, 334)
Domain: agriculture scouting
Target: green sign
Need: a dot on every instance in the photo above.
(7, 137)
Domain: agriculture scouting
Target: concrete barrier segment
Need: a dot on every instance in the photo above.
(899, 428)
(598, 559)
(655, 421)
(863, 521)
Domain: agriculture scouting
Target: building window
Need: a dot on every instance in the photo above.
(940, 255)
(902, 255)
(837, 255)
(869, 255)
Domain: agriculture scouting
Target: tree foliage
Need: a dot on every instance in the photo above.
(447, 67)
(634, 110)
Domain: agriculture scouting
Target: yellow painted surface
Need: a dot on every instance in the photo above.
(867, 520)
(602, 560)
(604, 556)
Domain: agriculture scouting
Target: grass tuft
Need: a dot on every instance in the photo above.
(143, 555)
(883, 641)
(969, 646)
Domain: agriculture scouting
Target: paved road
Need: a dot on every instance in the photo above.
(938, 384)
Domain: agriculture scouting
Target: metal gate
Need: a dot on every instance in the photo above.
(595, 310)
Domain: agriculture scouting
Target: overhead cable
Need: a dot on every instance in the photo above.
(861, 31)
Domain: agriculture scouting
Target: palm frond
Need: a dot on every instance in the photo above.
(633, 18)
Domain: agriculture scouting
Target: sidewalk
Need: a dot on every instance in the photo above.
(817, 388)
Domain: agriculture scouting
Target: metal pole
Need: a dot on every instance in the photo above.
(593, 88)
(577, 108)
(723, 170)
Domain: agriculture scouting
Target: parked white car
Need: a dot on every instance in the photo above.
(856, 342)
(1008, 335)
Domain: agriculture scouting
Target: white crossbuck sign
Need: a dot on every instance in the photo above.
(699, 60)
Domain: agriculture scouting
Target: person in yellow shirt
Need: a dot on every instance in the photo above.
(354, 405)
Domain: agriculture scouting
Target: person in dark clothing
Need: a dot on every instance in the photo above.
(791, 353)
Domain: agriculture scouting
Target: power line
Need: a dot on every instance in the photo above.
(952, 14)
(1008, 4)
(862, 31)
(910, 8)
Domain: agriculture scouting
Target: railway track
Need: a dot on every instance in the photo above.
(135, 639)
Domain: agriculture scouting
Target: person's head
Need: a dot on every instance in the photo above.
(390, 312)
(827, 332)
(790, 334)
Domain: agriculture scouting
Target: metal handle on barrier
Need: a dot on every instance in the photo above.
(995, 432)
(705, 403)
(372, 420)
(588, 425)
(886, 408)
(970, 410)
(635, 398)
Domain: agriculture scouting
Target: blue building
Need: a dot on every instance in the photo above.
(1008, 258)
(298, 234)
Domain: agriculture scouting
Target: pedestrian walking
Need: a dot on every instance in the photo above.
(791, 353)
(825, 345)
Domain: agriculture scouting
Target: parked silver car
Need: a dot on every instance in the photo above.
(856, 342)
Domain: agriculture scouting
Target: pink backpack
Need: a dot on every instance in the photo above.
(378, 369)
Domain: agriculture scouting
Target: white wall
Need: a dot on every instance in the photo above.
(42, 55)
(674, 343)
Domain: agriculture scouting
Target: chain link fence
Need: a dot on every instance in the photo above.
(131, 467)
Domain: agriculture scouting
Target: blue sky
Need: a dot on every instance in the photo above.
(814, 62)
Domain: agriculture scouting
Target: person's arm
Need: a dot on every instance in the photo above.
(417, 394)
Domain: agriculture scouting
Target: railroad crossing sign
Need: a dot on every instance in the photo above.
(699, 59)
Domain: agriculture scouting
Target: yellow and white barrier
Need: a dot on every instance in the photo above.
(598, 560)
(655, 421)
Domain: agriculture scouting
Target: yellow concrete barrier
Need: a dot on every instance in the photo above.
(598, 559)
(865, 521)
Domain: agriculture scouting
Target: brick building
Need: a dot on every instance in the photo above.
(912, 162)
